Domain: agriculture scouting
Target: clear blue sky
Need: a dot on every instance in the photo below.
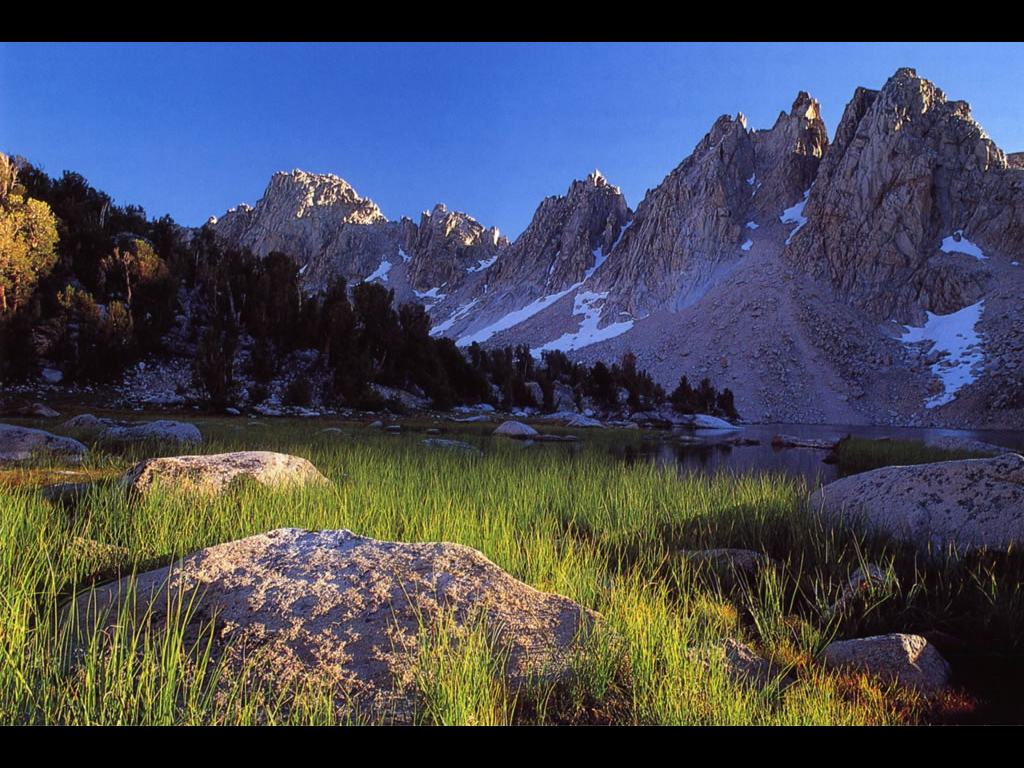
(490, 129)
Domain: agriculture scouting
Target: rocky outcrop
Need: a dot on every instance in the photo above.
(329, 607)
(907, 170)
(906, 660)
(164, 431)
(216, 473)
(964, 505)
(21, 443)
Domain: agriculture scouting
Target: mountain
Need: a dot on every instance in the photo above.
(875, 278)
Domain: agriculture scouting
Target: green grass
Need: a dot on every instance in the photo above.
(861, 455)
(569, 519)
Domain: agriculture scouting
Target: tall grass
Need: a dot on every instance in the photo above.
(861, 455)
(574, 521)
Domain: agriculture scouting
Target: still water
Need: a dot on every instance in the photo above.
(710, 457)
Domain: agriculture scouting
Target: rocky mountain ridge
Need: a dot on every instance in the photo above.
(875, 278)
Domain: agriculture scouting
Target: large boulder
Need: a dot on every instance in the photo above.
(163, 431)
(967, 504)
(214, 474)
(20, 443)
(296, 606)
(907, 660)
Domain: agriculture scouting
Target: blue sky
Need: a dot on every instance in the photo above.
(490, 129)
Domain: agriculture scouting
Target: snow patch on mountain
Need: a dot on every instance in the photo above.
(588, 304)
(482, 265)
(957, 243)
(515, 318)
(432, 295)
(795, 215)
(955, 335)
(381, 273)
(457, 315)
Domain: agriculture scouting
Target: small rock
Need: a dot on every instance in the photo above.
(515, 429)
(37, 411)
(745, 561)
(451, 445)
(908, 660)
(865, 580)
(65, 494)
(744, 666)
(704, 421)
(85, 421)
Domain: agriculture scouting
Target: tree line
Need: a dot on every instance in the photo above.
(92, 286)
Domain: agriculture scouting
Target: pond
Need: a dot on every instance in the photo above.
(711, 455)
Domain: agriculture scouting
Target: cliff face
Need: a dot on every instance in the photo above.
(446, 246)
(909, 170)
(568, 238)
(695, 226)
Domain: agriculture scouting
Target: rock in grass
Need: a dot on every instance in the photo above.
(868, 582)
(214, 474)
(969, 504)
(86, 421)
(20, 443)
(515, 429)
(454, 446)
(745, 561)
(38, 411)
(743, 665)
(66, 494)
(907, 660)
(298, 607)
(164, 431)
